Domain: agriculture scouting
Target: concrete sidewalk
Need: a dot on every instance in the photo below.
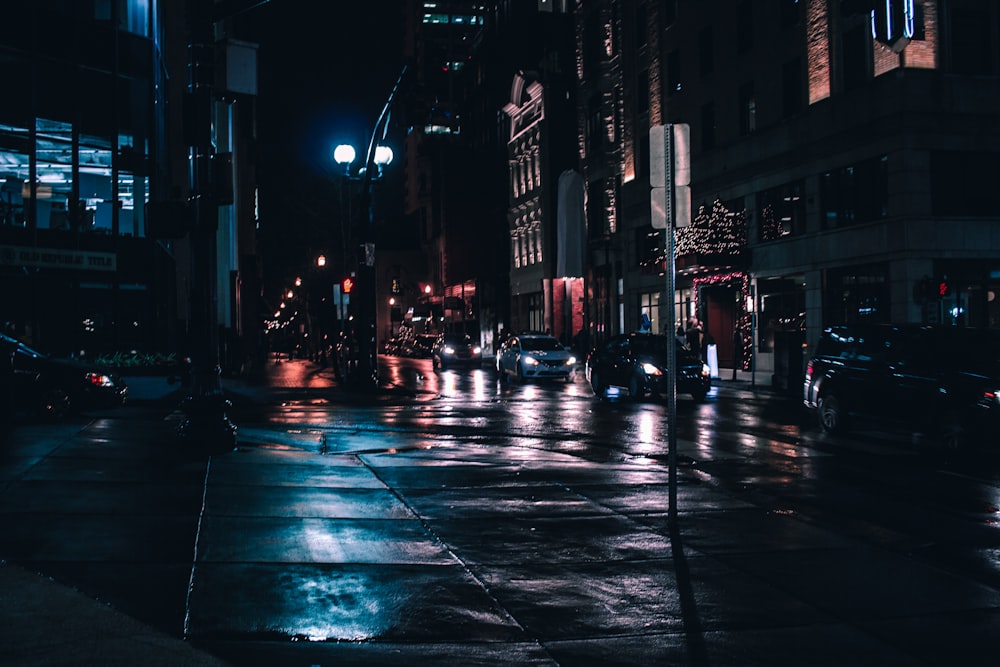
(45, 623)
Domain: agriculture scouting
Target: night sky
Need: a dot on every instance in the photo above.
(326, 70)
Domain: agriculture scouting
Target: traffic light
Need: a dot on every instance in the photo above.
(943, 287)
(346, 285)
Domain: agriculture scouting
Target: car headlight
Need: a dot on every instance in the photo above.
(705, 370)
(529, 361)
(477, 350)
(99, 380)
(571, 361)
(651, 369)
(449, 349)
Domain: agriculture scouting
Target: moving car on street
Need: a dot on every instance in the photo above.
(943, 381)
(43, 385)
(534, 356)
(455, 349)
(637, 362)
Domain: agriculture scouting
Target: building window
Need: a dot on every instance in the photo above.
(781, 211)
(973, 47)
(789, 12)
(595, 127)
(536, 313)
(641, 26)
(855, 193)
(649, 251)
(748, 109)
(649, 305)
(669, 12)
(642, 92)
(673, 72)
(706, 51)
(857, 295)
(744, 26)
(782, 309)
(791, 87)
(707, 126)
(964, 183)
(857, 67)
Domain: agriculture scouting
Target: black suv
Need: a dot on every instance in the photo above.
(638, 362)
(936, 380)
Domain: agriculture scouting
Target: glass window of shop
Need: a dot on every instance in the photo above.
(649, 305)
(856, 295)
(83, 181)
(782, 309)
(781, 211)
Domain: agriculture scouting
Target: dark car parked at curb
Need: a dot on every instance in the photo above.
(455, 349)
(638, 363)
(939, 381)
(42, 385)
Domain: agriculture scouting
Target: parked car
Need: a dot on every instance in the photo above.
(419, 346)
(45, 385)
(534, 357)
(941, 381)
(455, 349)
(637, 362)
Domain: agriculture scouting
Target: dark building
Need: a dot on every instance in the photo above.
(835, 178)
(92, 132)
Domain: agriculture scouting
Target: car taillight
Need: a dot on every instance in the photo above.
(991, 397)
(809, 370)
(99, 379)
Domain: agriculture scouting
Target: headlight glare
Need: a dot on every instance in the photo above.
(651, 369)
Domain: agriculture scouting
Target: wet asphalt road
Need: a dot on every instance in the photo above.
(516, 525)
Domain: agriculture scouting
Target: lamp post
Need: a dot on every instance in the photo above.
(206, 423)
(362, 334)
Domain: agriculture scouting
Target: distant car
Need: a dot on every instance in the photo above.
(455, 349)
(637, 362)
(941, 381)
(534, 357)
(419, 346)
(50, 386)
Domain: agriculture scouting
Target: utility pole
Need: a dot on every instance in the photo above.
(670, 207)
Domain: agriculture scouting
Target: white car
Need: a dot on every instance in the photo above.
(534, 356)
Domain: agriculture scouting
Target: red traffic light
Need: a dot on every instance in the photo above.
(944, 289)
(347, 285)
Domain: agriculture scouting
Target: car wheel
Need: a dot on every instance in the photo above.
(831, 414)
(502, 374)
(637, 387)
(520, 372)
(597, 384)
(699, 395)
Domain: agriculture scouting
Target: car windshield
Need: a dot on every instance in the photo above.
(649, 345)
(21, 347)
(457, 339)
(540, 343)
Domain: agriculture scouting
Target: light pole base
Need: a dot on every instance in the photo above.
(206, 425)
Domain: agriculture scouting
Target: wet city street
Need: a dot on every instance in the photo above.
(452, 520)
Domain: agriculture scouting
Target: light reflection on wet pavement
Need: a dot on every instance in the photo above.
(454, 521)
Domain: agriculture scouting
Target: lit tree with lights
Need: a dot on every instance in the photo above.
(718, 231)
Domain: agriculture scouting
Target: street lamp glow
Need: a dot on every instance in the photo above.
(344, 154)
(321, 261)
(383, 155)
